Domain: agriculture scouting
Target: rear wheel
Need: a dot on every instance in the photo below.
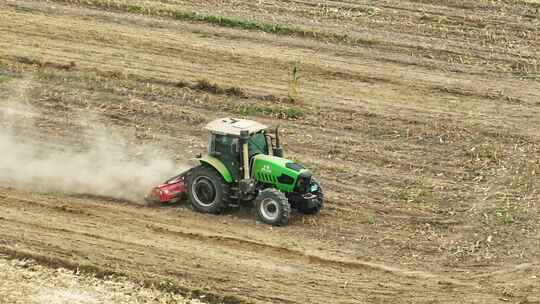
(208, 192)
(273, 207)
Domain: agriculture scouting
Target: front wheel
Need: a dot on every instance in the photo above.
(273, 208)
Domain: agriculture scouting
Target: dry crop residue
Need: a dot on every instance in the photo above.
(420, 118)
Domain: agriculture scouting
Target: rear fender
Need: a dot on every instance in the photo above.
(218, 165)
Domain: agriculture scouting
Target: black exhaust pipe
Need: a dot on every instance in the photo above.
(278, 150)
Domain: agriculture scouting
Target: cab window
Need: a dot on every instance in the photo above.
(223, 144)
(257, 144)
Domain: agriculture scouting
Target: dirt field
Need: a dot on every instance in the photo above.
(24, 281)
(420, 118)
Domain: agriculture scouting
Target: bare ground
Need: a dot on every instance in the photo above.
(426, 140)
(24, 281)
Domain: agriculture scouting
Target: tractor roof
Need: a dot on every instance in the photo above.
(233, 126)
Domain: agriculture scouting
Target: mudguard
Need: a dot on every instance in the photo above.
(218, 165)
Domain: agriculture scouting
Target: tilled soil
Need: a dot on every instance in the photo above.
(218, 254)
(24, 281)
(421, 123)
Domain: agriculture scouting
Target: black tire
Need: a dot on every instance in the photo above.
(207, 190)
(273, 208)
(319, 202)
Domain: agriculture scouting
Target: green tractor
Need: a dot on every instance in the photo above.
(245, 164)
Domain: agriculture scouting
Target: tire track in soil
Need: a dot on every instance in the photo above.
(102, 262)
(190, 234)
(378, 79)
(326, 267)
(403, 47)
(147, 279)
(310, 258)
(434, 89)
(406, 27)
(233, 243)
(348, 111)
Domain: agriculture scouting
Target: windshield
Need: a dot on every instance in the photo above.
(257, 144)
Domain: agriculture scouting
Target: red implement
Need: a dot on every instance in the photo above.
(168, 192)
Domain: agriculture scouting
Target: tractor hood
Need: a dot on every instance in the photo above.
(285, 174)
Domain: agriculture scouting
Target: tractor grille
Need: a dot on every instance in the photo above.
(266, 178)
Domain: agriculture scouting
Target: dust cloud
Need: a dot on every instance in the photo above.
(104, 165)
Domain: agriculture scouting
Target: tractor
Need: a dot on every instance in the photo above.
(244, 164)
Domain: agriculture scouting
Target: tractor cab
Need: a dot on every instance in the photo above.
(227, 137)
